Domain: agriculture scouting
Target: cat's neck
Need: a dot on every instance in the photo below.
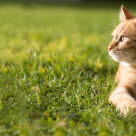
(127, 73)
(127, 65)
(124, 64)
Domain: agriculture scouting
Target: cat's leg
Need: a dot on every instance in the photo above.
(123, 100)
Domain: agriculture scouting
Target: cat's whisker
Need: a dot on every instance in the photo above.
(128, 57)
(125, 57)
(109, 58)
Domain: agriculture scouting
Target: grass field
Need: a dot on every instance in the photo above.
(55, 72)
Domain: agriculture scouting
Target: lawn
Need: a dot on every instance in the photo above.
(55, 72)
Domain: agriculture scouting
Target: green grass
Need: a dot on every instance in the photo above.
(55, 72)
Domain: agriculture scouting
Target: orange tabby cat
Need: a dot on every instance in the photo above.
(123, 49)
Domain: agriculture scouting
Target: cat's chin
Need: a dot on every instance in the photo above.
(115, 57)
(118, 59)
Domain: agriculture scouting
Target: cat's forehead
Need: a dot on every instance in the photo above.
(125, 27)
(119, 28)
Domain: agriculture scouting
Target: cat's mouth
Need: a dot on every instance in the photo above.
(116, 56)
(121, 56)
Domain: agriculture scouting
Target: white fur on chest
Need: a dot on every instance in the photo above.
(124, 63)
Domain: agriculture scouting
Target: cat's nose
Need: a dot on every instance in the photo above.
(112, 45)
(110, 48)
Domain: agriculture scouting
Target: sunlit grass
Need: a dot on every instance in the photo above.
(55, 72)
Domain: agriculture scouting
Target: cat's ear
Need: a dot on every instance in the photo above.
(125, 14)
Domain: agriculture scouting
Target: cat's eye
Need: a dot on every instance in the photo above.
(122, 38)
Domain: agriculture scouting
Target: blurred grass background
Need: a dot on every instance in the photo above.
(55, 72)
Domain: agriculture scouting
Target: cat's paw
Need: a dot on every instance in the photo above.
(123, 101)
(127, 109)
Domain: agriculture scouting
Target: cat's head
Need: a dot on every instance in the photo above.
(123, 45)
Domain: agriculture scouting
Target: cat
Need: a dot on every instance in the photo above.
(123, 50)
